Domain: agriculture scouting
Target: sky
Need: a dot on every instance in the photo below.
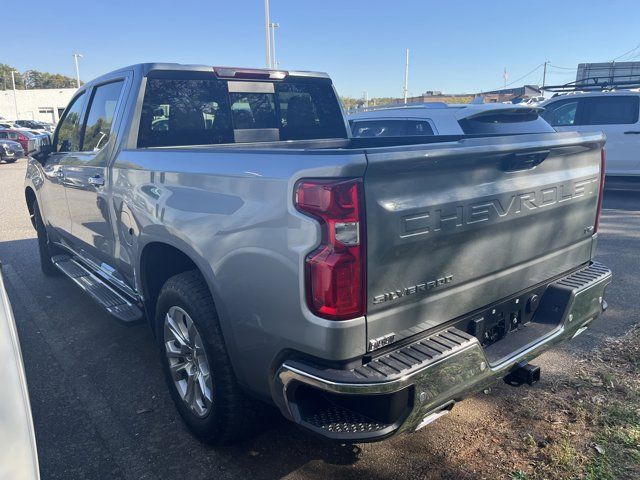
(455, 46)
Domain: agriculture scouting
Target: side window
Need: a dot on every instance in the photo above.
(100, 116)
(610, 110)
(68, 133)
(562, 113)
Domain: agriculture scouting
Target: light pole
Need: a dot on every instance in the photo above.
(405, 90)
(274, 62)
(75, 57)
(267, 35)
(15, 100)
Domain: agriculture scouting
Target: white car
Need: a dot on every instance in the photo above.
(616, 113)
(447, 119)
(18, 453)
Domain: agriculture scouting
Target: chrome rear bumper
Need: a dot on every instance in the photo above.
(400, 390)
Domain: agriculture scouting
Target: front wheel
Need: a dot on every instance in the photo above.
(196, 364)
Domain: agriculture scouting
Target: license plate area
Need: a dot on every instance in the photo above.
(495, 322)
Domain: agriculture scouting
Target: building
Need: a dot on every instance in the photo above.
(608, 72)
(438, 96)
(510, 94)
(494, 96)
(46, 104)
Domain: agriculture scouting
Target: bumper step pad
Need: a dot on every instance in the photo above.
(336, 419)
(416, 355)
(108, 298)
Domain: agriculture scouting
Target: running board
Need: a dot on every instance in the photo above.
(107, 297)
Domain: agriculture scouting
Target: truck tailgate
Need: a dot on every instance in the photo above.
(452, 227)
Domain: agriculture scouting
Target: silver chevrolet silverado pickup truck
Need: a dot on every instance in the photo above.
(360, 285)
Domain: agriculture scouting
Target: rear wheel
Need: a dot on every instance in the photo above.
(196, 364)
(46, 249)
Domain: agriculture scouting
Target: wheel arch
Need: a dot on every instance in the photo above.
(159, 261)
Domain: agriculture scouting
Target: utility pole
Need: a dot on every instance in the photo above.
(15, 99)
(405, 90)
(274, 62)
(544, 74)
(505, 76)
(366, 99)
(267, 35)
(75, 57)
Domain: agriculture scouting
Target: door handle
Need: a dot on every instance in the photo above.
(96, 181)
(632, 132)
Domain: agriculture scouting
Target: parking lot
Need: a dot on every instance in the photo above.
(101, 408)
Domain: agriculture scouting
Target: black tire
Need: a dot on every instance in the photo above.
(11, 160)
(232, 414)
(44, 247)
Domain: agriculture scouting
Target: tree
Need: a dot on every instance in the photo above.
(34, 79)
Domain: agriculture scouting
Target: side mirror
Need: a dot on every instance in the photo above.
(43, 153)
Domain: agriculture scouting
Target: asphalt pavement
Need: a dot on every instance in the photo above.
(102, 411)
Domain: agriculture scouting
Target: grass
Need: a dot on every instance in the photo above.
(588, 425)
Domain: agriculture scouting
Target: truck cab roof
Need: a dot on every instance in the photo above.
(222, 71)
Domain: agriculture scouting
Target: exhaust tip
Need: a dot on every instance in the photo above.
(523, 373)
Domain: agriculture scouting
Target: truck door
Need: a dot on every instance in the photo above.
(617, 117)
(53, 201)
(87, 178)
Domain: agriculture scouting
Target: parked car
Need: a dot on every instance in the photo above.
(10, 151)
(616, 113)
(361, 285)
(28, 140)
(18, 453)
(33, 125)
(444, 119)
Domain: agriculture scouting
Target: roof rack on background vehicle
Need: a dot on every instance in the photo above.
(619, 82)
(400, 105)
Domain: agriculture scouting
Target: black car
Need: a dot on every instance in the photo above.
(10, 151)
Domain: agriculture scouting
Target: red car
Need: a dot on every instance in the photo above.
(24, 138)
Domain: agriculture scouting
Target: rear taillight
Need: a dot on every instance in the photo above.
(335, 271)
(603, 161)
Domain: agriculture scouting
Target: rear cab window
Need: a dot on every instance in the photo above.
(390, 128)
(197, 108)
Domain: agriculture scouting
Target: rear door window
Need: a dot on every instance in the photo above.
(611, 110)
(562, 113)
